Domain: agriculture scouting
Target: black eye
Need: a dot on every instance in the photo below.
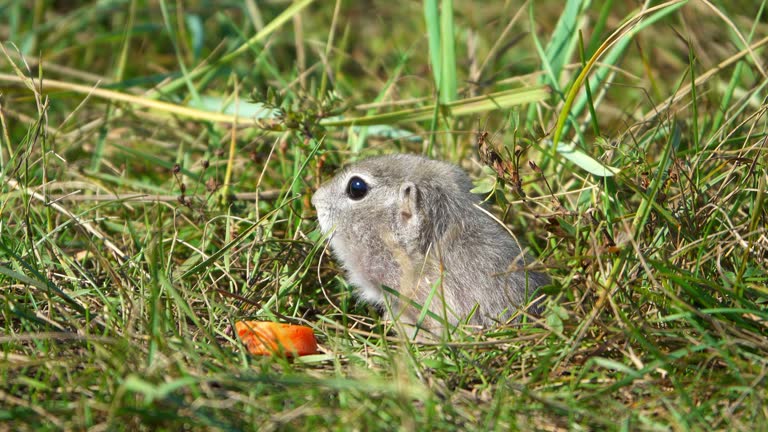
(357, 188)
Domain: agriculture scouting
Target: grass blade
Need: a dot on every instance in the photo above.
(432, 19)
(448, 86)
(491, 102)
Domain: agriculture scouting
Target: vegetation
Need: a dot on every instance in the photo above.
(157, 160)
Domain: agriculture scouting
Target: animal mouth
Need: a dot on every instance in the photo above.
(324, 218)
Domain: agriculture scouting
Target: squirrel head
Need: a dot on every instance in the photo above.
(412, 198)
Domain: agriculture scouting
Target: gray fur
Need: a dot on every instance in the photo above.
(419, 217)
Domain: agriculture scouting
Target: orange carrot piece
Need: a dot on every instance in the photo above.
(269, 338)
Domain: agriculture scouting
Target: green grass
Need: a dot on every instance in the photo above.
(137, 224)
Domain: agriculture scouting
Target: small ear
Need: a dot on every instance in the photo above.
(408, 200)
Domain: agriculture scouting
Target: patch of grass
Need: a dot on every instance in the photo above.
(150, 197)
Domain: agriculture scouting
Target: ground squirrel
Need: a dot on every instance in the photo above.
(411, 224)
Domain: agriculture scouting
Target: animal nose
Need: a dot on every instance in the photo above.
(315, 198)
